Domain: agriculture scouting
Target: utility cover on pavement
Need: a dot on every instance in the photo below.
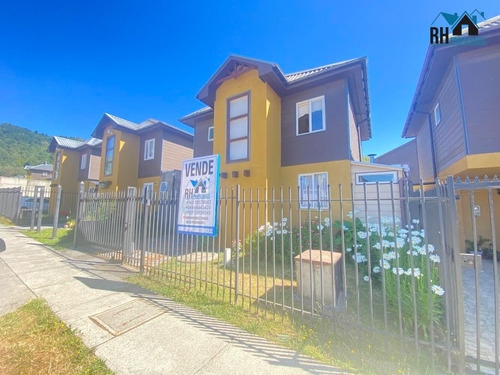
(125, 317)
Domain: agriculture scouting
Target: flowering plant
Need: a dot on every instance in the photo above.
(400, 255)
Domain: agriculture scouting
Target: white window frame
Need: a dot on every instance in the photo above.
(211, 139)
(313, 200)
(437, 109)
(149, 149)
(83, 161)
(394, 177)
(310, 114)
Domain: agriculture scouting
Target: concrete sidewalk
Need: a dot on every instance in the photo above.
(134, 330)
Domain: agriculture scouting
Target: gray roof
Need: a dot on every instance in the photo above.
(122, 122)
(68, 143)
(292, 77)
(93, 142)
(40, 167)
(133, 127)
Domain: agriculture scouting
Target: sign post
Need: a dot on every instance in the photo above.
(198, 196)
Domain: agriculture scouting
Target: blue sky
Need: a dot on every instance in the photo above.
(64, 63)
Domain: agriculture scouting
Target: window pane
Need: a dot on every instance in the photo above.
(110, 143)
(372, 178)
(238, 128)
(211, 133)
(317, 114)
(238, 107)
(305, 183)
(108, 167)
(303, 114)
(238, 150)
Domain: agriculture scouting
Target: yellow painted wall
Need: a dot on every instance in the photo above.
(265, 127)
(68, 179)
(125, 160)
(155, 180)
(477, 164)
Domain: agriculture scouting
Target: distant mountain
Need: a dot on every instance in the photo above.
(21, 146)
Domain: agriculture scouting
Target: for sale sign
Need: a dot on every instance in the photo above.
(198, 196)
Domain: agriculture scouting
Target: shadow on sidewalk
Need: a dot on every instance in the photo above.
(252, 344)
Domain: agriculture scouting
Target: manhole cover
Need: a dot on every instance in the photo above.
(125, 317)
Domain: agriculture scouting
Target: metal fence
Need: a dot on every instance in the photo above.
(385, 258)
(38, 205)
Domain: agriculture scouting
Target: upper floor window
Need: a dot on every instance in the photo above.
(83, 161)
(57, 166)
(109, 156)
(313, 188)
(373, 178)
(437, 114)
(149, 149)
(311, 116)
(238, 128)
(211, 134)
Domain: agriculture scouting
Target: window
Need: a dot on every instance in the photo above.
(57, 166)
(83, 161)
(108, 157)
(147, 192)
(149, 149)
(437, 114)
(373, 178)
(210, 133)
(313, 187)
(311, 116)
(238, 142)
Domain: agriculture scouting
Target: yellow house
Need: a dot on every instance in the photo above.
(137, 154)
(74, 162)
(275, 130)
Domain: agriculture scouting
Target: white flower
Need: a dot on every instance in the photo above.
(415, 221)
(278, 232)
(377, 246)
(320, 227)
(437, 290)
(435, 258)
(376, 269)
(386, 243)
(360, 258)
(362, 235)
(415, 233)
(400, 242)
(348, 249)
(366, 278)
(415, 253)
(402, 231)
(387, 256)
(350, 214)
(326, 220)
(285, 231)
(398, 271)
(345, 228)
(276, 224)
(421, 250)
(422, 233)
(430, 248)
(385, 264)
(284, 220)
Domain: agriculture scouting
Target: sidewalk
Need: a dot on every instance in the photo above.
(134, 330)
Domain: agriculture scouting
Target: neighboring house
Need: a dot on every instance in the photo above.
(75, 162)
(39, 172)
(454, 120)
(137, 154)
(405, 157)
(273, 129)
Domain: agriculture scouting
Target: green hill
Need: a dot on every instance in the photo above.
(20, 146)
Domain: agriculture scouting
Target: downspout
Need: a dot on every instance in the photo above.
(433, 143)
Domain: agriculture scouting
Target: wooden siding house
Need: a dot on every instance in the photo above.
(454, 120)
(137, 154)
